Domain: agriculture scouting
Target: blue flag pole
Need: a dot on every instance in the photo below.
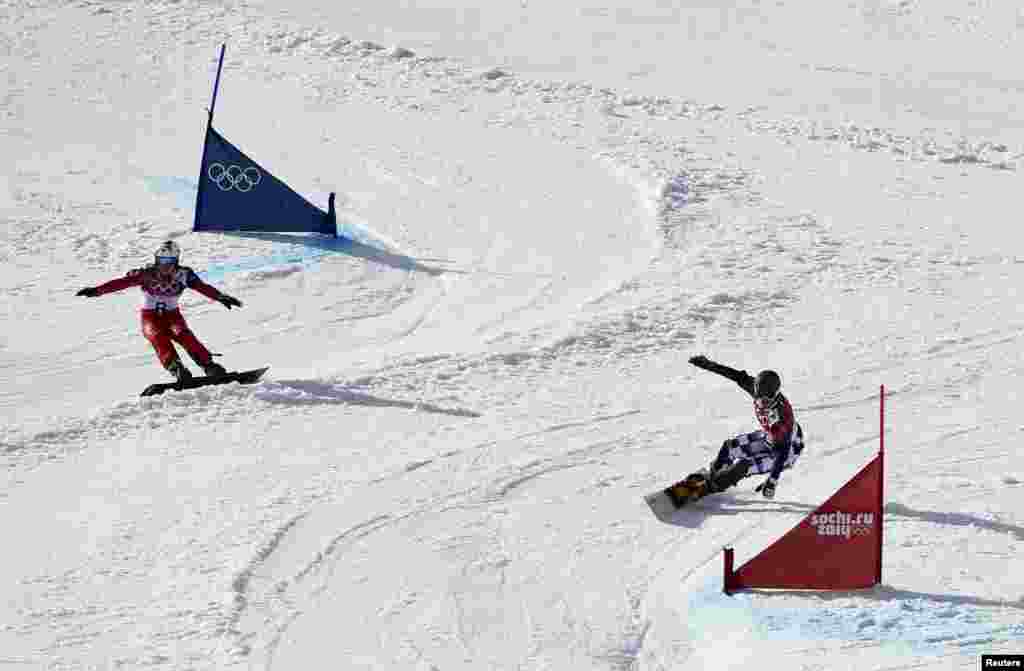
(216, 82)
(206, 135)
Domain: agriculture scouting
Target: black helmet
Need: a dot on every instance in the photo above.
(767, 385)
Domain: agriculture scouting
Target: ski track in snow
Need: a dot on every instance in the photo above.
(294, 593)
(714, 217)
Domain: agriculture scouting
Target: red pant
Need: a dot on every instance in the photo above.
(161, 328)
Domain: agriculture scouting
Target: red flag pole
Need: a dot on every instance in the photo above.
(727, 573)
(881, 479)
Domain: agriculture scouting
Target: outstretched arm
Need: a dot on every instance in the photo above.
(132, 279)
(740, 377)
(213, 293)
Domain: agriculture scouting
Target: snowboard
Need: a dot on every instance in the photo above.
(666, 502)
(241, 377)
(694, 487)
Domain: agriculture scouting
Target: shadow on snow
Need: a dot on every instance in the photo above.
(693, 515)
(304, 392)
(327, 244)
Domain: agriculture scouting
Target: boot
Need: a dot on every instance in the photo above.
(722, 459)
(728, 476)
(213, 369)
(691, 488)
(178, 370)
(714, 469)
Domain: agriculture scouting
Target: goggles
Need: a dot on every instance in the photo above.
(167, 260)
(766, 402)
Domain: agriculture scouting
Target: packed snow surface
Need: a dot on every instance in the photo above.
(547, 208)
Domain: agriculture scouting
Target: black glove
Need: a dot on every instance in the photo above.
(88, 292)
(229, 301)
(700, 361)
(767, 488)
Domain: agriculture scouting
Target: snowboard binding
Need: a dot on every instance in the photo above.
(241, 377)
(695, 486)
(692, 487)
(729, 476)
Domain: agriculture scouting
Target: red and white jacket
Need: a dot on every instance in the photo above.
(776, 421)
(160, 293)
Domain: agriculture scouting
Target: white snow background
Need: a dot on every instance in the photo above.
(556, 204)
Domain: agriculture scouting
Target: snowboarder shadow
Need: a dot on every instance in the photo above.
(307, 392)
(692, 516)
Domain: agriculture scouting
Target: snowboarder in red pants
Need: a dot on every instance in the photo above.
(162, 284)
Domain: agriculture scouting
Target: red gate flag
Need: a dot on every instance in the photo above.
(838, 546)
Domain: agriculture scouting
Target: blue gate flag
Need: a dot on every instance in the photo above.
(237, 194)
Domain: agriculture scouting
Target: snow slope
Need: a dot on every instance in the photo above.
(554, 206)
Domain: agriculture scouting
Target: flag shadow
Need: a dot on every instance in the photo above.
(885, 592)
(955, 519)
(350, 247)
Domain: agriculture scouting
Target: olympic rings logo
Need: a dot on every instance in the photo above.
(234, 177)
(861, 531)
